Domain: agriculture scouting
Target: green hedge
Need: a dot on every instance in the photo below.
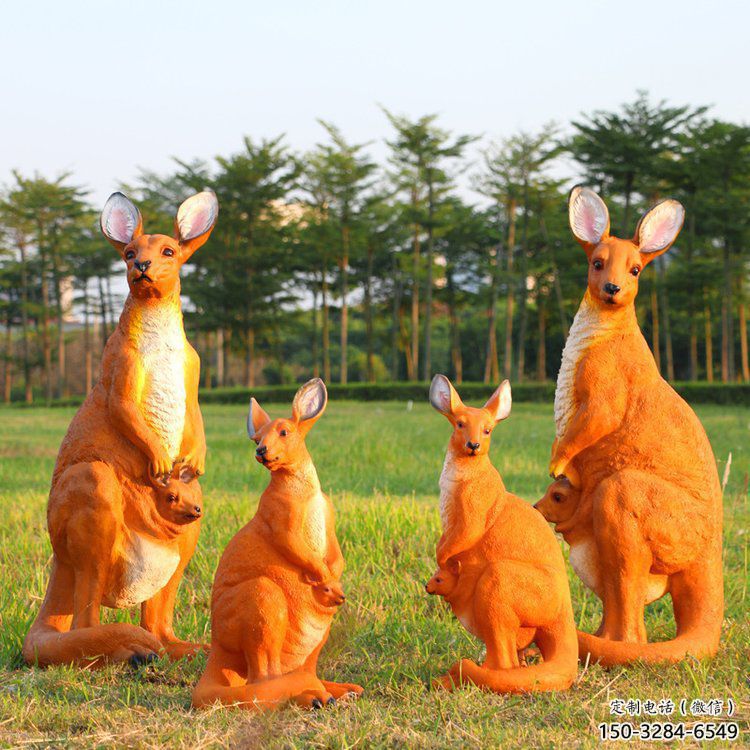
(696, 393)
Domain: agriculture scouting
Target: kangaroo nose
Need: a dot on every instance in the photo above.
(611, 288)
(197, 510)
(262, 450)
(142, 265)
(472, 446)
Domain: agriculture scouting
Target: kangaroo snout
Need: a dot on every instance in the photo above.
(261, 450)
(472, 446)
(611, 288)
(141, 265)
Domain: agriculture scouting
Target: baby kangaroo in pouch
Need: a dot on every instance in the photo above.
(500, 566)
(116, 539)
(277, 586)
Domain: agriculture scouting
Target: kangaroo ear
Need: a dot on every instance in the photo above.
(588, 217)
(196, 218)
(309, 403)
(256, 418)
(454, 566)
(658, 229)
(187, 474)
(499, 403)
(443, 396)
(120, 221)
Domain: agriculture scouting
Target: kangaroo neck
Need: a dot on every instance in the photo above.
(475, 475)
(297, 482)
(139, 314)
(592, 324)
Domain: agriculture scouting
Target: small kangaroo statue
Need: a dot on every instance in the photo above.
(500, 566)
(277, 585)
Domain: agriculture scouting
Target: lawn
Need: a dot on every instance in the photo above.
(380, 464)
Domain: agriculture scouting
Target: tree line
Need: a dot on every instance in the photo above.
(330, 263)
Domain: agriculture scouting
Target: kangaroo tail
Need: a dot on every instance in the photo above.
(93, 646)
(610, 653)
(299, 687)
(551, 675)
(698, 602)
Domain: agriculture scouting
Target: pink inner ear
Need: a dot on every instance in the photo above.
(588, 217)
(120, 225)
(195, 223)
(660, 227)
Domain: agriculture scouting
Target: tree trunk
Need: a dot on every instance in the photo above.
(207, 360)
(396, 324)
(326, 328)
(523, 292)
(87, 345)
(412, 362)
(709, 345)
(507, 364)
(8, 380)
(541, 356)
(655, 349)
(727, 320)
(555, 274)
(220, 358)
(28, 391)
(368, 315)
(250, 357)
(743, 343)
(427, 363)
(46, 338)
(103, 310)
(666, 321)
(693, 345)
(628, 191)
(491, 366)
(315, 351)
(692, 315)
(343, 376)
(57, 280)
(455, 331)
(724, 341)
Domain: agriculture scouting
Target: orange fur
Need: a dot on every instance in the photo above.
(510, 586)
(276, 588)
(647, 475)
(114, 542)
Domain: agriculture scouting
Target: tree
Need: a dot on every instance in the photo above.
(346, 174)
(419, 152)
(618, 151)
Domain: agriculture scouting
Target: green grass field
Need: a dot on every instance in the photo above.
(380, 464)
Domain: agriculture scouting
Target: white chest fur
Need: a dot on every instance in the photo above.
(314, 529)
(584, 558)
(589, 324)
(161, 344)
(446, 484)
(148, 567)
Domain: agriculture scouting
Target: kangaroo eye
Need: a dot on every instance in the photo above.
(168, 252)
(598, 265)
(283, 433)
(129, 255)
(487, 430)
(172, 497)
(557, 497)
(635, 270)
(459, 424)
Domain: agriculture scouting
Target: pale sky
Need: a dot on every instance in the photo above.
(102, 88)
